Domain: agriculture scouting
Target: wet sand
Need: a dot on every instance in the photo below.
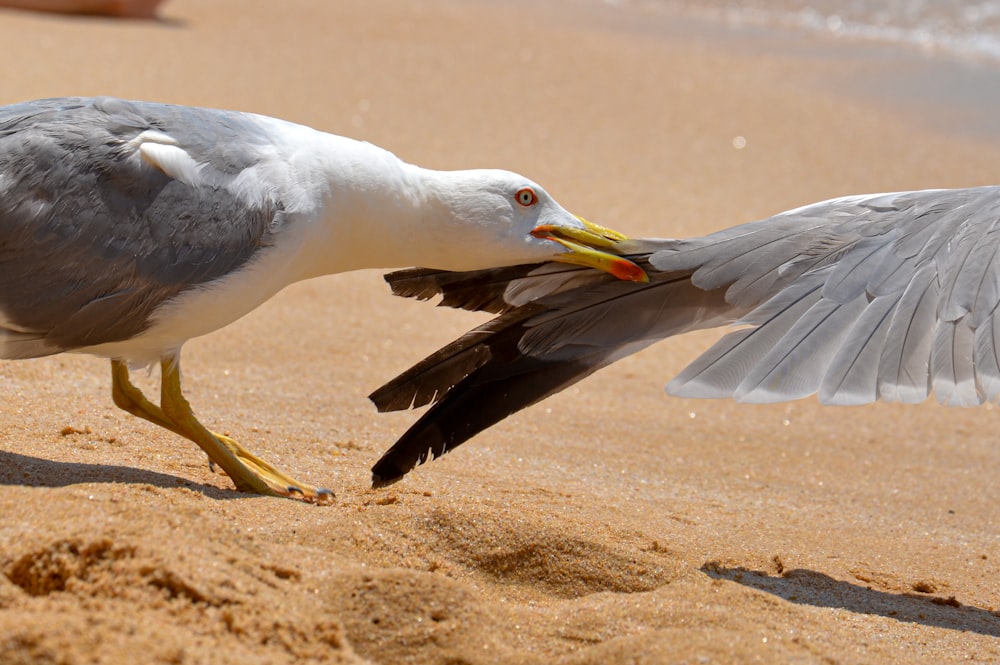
(609, 524)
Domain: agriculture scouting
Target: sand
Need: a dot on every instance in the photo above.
(610, 524)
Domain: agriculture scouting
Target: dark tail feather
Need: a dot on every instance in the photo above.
(483, 399)
(480, 290)
(495, 290)
(530, 353)
(431, 378)
(500, 290)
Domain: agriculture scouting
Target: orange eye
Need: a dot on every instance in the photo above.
(526, 196)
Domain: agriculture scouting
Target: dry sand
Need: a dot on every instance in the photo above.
(610, 524)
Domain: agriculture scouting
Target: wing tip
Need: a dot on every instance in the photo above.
(396, 463)
(380, 481)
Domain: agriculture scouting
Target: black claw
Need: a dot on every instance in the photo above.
(324, 496)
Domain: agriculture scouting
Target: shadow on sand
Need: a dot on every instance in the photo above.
(808, 587)
(30, 471)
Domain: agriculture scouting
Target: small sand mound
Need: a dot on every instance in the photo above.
(542, 556)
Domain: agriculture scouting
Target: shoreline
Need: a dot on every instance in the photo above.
(923, 83)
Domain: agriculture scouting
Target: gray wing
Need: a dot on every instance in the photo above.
(889, 297)
(862, 298)
(93, 238)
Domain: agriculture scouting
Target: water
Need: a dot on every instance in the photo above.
(966, 29)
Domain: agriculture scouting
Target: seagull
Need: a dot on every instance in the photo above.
(878, 297)
(128, 228)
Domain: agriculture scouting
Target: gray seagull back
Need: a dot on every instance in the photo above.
(93, 238)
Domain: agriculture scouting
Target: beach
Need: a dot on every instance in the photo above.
(608, 524)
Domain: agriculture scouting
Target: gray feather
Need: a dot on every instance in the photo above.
(795, 367)
(986, 361)
(852, 375)
(952, 374)
(719, 371)
(904, 367)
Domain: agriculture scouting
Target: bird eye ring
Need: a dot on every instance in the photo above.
(526, 196)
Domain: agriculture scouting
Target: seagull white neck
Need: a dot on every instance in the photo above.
(369, 213)
(351, 205)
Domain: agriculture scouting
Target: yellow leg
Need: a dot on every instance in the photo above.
(129, 398)
(248, 472)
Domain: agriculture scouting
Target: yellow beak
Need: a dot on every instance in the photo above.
(585, 249)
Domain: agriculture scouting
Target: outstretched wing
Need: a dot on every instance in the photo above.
(888, 297)
(861, 298)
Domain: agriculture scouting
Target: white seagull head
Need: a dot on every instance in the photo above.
(486, 218)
